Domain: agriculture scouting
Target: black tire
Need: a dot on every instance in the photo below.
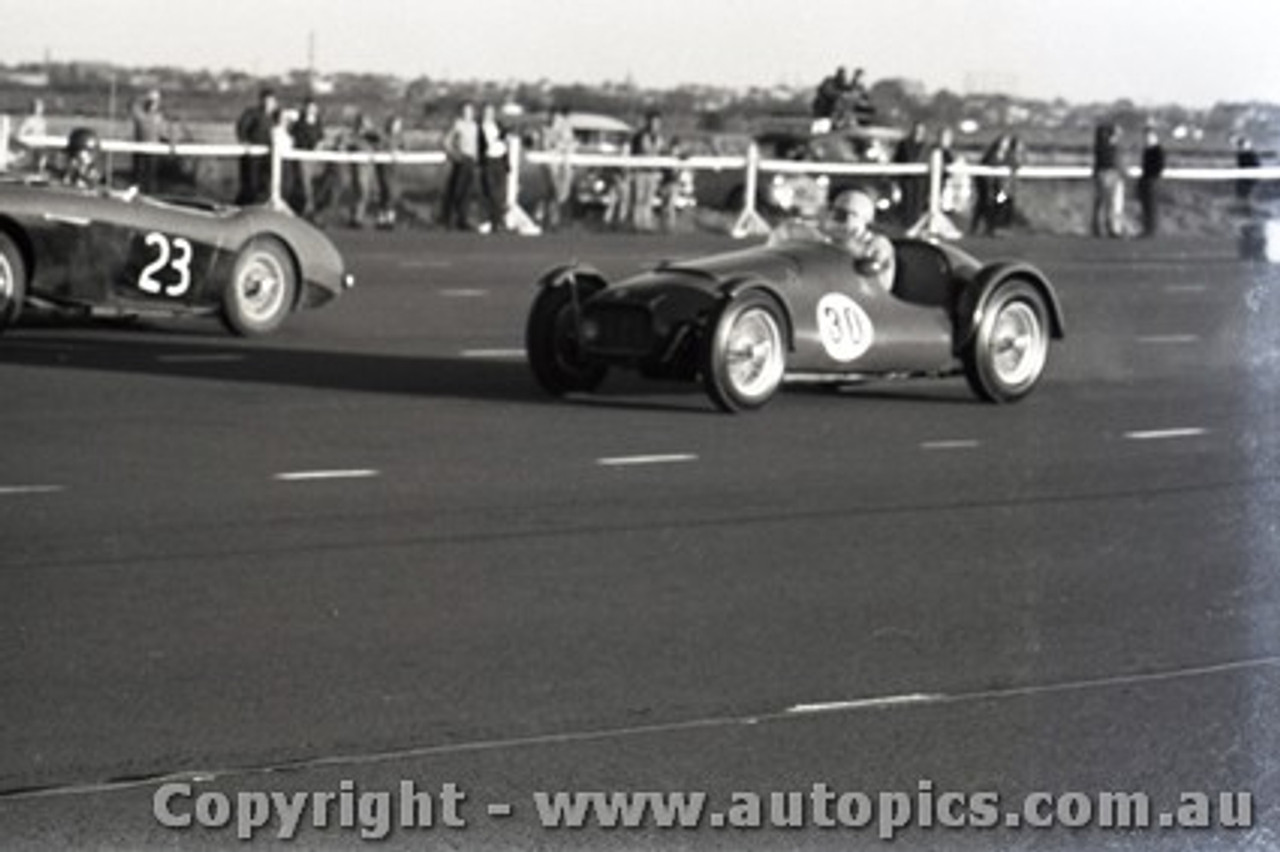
(1010, 348)
(263, 288)
(744, 352)
(13, 281)
(551, 343)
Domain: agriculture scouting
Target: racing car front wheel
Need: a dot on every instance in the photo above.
(1010, 348)
(745, 354)
(13, 281)
(551, 344)
(262, 289)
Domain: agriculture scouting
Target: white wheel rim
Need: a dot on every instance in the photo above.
(260, 288)
(7, 287)
(1018, 344)
(753, 353)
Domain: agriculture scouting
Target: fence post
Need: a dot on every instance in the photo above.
(277, 174)
(750, 223)
(934, 224)
(5, 129)
(516, 219)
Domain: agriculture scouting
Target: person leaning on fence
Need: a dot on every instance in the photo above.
(1108, 183)
(913, 148)
(254, 128)
(993, 194)
(1152, 169)
(360, 138)
(307, 133)
(391, 142)
(1246, 158)
(491, 141)
(558, 140)
(647, 142)
(33, 125)
(149, 125)
(462, 148)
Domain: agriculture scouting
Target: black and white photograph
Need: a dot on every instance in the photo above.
(597, 425)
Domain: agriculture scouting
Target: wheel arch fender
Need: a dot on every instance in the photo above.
(572, 275)
(747, 284)
(14, 231)
(976, 297)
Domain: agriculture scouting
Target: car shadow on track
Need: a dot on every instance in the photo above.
(223, 359)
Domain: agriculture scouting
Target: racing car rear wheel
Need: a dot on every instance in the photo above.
(745, 354)
(1010, 347)
(262, 290)
(551, 344)
(13, 281)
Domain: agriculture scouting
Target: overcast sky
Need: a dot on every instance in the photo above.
(1190, 51)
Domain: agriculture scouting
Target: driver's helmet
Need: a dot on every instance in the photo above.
(83, 139)
(82, 150)
(856, 203)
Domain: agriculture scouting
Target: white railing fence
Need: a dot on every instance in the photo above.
(749, 221)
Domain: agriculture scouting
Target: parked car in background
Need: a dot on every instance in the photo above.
(784, 194)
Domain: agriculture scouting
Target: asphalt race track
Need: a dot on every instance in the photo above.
(369, 550)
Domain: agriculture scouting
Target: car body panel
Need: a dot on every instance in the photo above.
(101, 249)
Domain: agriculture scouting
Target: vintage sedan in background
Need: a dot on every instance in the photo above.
(102, 252)
(780, 195)
(797, 309)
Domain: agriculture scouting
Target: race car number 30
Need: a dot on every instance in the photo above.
(844, 327)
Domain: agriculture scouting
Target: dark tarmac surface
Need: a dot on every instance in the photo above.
(876, 589)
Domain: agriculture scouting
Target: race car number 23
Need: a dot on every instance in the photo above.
(170, 253)
(844, 327)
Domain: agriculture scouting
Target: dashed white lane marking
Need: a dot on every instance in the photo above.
(308, 475)
(464, 293)
(1164, 434)
(953, 444)
(1169, 339)
(426, 264)
(665, 458)
(1185, 288)
(492, 353)
(867, 703)
(7, 490)
(201, 358)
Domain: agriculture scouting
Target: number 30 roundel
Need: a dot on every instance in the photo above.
(844, 327)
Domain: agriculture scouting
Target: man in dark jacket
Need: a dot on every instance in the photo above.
(254, 128)
(1152, 169)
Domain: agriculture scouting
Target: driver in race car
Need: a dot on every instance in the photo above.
(81, 167)
(848, 224)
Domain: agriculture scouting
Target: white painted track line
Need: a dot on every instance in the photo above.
(426, 264)
(678, 726)
(464, 293)
(312, 475)
(952, 444)
(14, 490)
(1185, 288)
(868, 703)
(666, 458)
(201, 358)
(492, 353)
(1169, 339)
(1165, 434)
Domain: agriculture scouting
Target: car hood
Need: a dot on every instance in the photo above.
(771, 263)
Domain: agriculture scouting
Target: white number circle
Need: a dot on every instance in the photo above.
(844, 327)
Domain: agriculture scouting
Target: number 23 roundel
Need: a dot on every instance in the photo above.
(844, 327)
